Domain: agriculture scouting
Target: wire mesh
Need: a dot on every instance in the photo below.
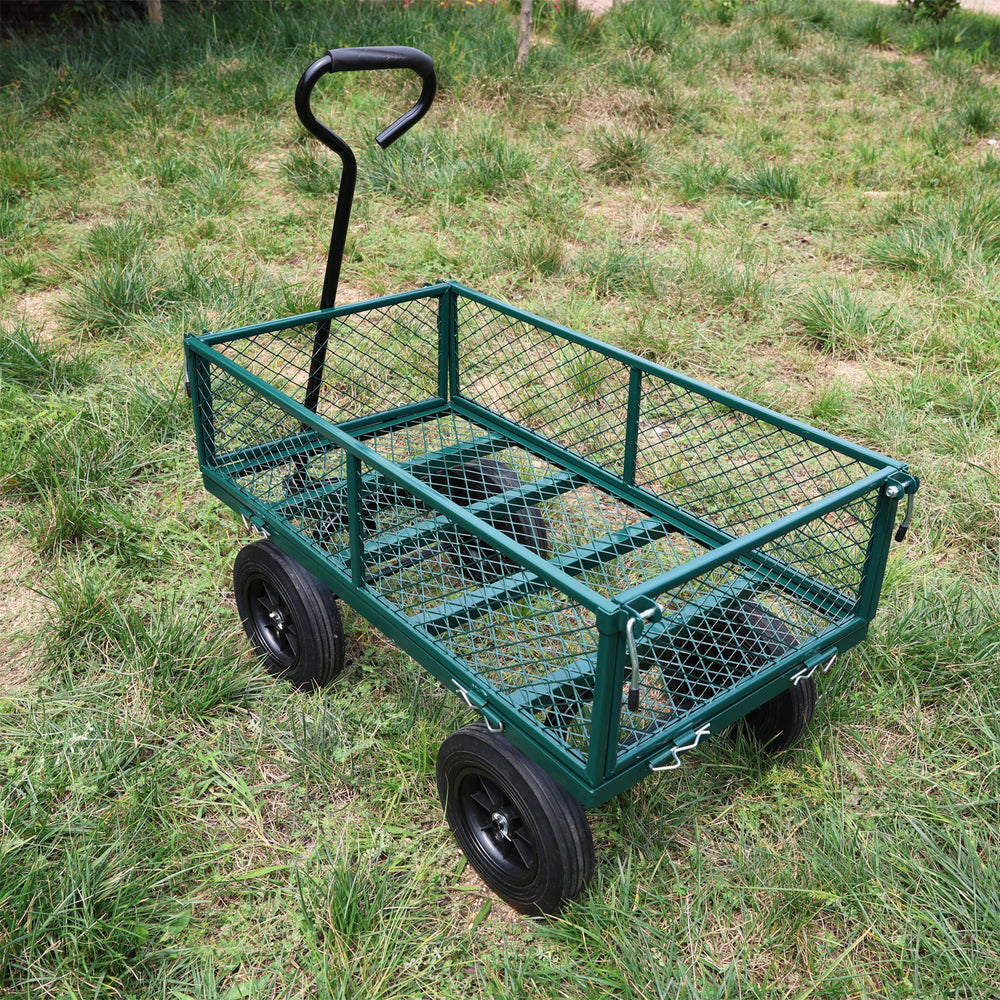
(737, 471)
(664, 445)
(375, 360)
(566, 392)
(729, 468)
(720, 629)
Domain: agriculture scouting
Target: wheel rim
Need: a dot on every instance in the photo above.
(272, 622)
(496, 827)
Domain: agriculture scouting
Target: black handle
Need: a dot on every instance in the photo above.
(392, 57)
(360, 60)
(346, 61)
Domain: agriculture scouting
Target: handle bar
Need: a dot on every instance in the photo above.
(346, 61)
(361, 59)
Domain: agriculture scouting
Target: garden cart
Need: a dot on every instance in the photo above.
(607, 560)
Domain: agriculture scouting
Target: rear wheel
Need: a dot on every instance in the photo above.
(525, 835)
(781, 722)
(478, 480)
(291, 618)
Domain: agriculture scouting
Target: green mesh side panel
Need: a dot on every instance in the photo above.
(667, 447)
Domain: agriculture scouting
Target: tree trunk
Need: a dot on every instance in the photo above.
(155, 11)
(523, 35)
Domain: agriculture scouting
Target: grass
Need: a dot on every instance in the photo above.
(621, 157)
(619, 271)
(961, 239)
(778, 184)
(836, 320)
(789, 200)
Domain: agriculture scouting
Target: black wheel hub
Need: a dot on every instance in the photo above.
(273, 622)
(497, 827)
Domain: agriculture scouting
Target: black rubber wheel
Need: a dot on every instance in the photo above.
(477, 480)
(290, 617)
(525, 835)
(737, 637)
(781, 722)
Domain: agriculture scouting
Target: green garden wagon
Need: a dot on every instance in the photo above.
(607, 560)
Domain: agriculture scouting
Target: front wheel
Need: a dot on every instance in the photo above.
(525, 835)
(291, 619)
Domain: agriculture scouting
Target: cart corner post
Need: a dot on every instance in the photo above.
(898, 484)
(355, 520)
(602, 753)
(199, 380)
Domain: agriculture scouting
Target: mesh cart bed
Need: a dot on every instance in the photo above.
(607, 560)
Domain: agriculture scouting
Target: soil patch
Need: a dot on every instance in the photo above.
(20, 611)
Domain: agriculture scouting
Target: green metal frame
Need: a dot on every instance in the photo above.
(608, 766)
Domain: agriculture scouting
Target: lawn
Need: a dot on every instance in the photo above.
(796, 202)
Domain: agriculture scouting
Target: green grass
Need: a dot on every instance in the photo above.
(834, 319)
(778, 184)
(621, 157)
(790, 200)
(958, 240)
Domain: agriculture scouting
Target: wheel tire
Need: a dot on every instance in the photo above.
(291, 618)
(740, 636)
(477, 480)
(781, 722)
(525, 835)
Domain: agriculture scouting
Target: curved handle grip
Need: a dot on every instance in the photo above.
(361, 59)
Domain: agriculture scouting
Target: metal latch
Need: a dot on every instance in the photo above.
(823, 661)
(477, 702)
(893, 491)
(675, 752)
(643, 616)
(255, 523)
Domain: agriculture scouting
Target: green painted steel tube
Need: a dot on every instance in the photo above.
(447, 344)
(243, 502)
(604, 717)
(201, 402)
(739, 548)
(354, 520)
(318, 315)
(398, 417)
(877, 555)
(267, 454)
(632, 426)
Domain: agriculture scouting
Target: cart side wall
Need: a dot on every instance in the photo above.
(644, 486)
(732, 468)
